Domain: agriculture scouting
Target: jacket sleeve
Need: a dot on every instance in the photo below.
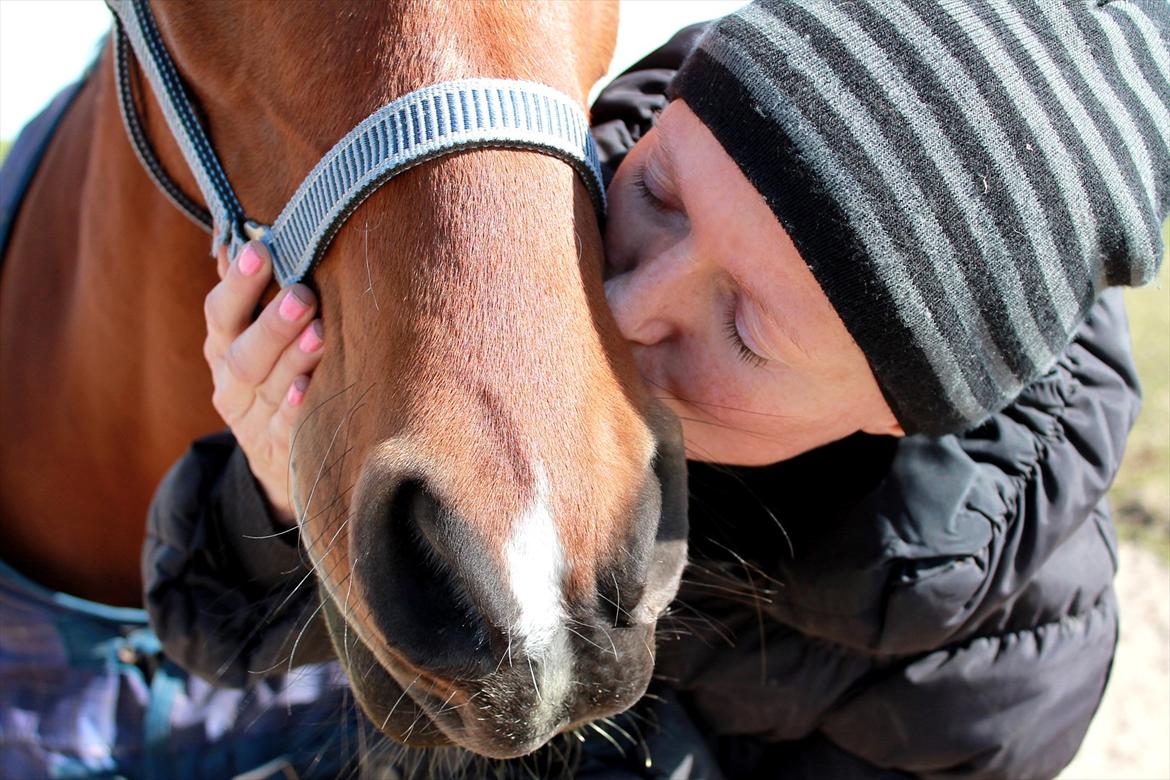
(950, 540)
(991, 659)
(229, 594)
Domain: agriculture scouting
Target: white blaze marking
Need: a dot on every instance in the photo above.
(536, 568)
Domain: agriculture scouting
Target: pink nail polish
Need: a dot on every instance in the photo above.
(311, 340)
(292, 307)
(250, 260)
(295, 395)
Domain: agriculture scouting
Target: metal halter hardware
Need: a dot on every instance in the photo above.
(431, 122)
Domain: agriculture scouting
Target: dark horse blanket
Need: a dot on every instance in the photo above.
(84, 688)
(25, 157)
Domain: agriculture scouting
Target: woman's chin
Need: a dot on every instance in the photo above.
(720, 442)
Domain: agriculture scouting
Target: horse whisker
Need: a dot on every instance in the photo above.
(401, 696)
(607, 737)
(532, 672)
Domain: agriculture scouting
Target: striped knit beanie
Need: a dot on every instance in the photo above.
(963, 177)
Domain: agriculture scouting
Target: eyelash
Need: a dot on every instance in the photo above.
(742, 349)
(648, 194)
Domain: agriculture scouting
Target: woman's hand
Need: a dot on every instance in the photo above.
(261, 367)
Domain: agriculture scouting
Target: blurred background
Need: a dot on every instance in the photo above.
(44, 44)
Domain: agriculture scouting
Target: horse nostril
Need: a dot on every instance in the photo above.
(407, 559)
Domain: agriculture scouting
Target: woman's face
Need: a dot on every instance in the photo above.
(727, 323)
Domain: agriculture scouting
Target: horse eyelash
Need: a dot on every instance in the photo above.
(742, 349)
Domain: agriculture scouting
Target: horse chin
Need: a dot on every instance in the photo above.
(392, 710)
(400, 715)
(379, 695)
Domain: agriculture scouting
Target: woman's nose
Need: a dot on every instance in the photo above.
(648, 300)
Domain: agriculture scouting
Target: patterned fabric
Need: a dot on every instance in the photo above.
(963, 177)
(85, 692)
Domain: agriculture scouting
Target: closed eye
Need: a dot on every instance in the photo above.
(731, 329)
(647, 194)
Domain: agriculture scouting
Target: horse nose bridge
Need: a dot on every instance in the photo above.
(486, 432)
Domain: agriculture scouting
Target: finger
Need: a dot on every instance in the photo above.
(283, 422)
(228, 307)
(298, 359)
(295, 397)
(249, 359)
(241, 374)
(221, 261)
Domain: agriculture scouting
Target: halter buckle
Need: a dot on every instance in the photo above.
(255, 231)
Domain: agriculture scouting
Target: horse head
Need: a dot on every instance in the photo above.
(493, 504)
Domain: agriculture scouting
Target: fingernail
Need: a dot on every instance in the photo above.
(292, 307)
(296, 391)
(312, 338)
(250, 260)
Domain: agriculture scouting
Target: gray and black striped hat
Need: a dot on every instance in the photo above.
(963, 177)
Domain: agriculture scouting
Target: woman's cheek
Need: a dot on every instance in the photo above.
(660, 371)
(716, 382)
(618, 253)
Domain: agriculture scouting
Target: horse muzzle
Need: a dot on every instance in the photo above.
(453, 635)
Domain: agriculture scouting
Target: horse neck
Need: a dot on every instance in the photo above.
(104, 382)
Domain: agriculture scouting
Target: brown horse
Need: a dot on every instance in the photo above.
(493, 504)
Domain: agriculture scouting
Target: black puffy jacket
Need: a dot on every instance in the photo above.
(879, 607)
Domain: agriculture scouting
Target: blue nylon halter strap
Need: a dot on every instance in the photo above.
(420, 126)
(431, 122)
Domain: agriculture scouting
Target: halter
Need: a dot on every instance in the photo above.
(431, 122)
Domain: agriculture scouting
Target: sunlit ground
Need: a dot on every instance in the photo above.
(1141, 495)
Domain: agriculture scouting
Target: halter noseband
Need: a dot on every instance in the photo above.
(431, 122)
